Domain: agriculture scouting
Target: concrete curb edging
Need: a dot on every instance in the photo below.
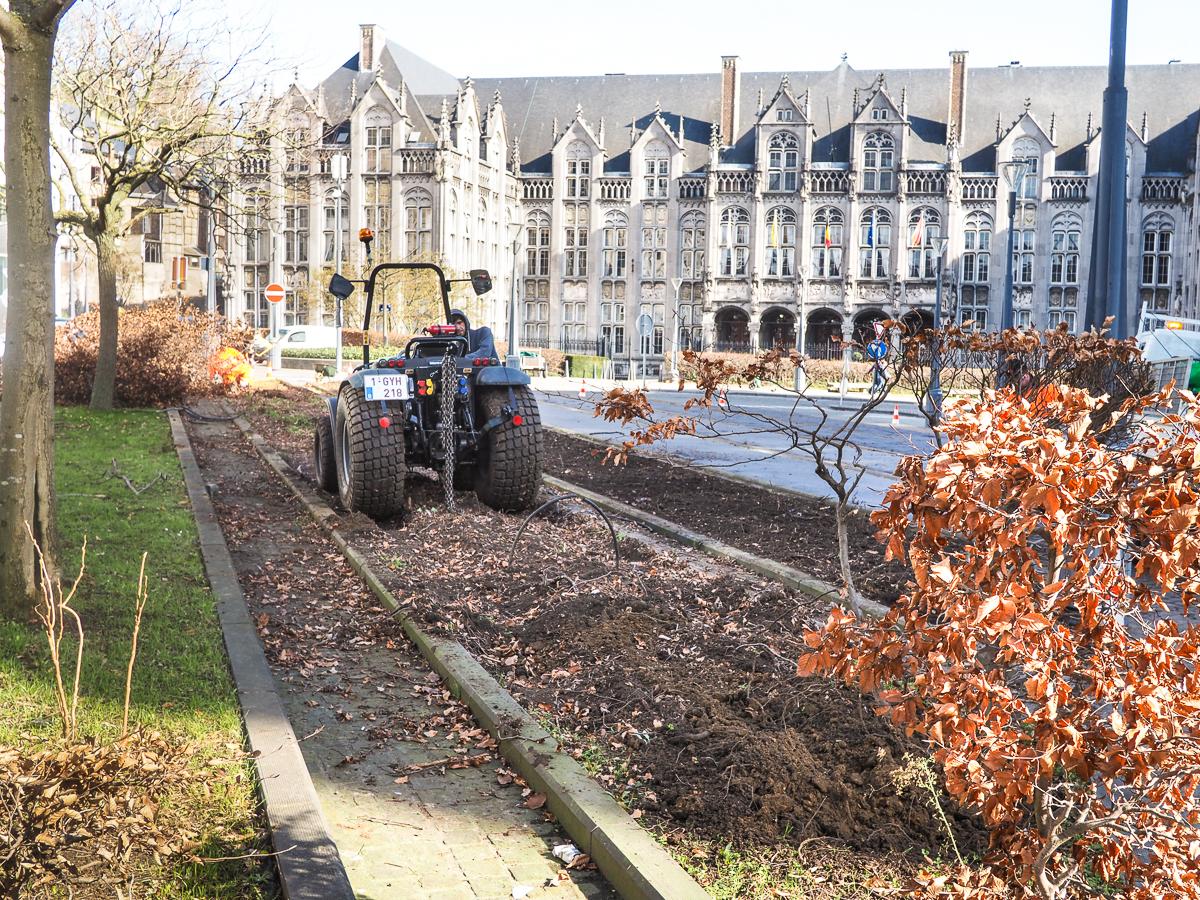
(786, 575)
(634, 863)
(309, 865)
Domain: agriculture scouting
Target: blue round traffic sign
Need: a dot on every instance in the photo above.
(877, 350)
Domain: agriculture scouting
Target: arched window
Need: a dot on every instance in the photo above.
(977, 249)
(828, 242)
(612, 318)
(579, 171)
(575, 244)
(735, 241)
(781, 243)
(875, 244)
(481, 235)
(1064, 249)
(1028, 151)
(924, 235)
(537, 244)
(452, 224)
(691, 246)
(1158, 233)
(657, 169)
(616, 244)
(378, 142)
(654, 241)
(330, 211)
(377, 213)
(783, 162)
(418, 223)
(536, 327)
(879, 159)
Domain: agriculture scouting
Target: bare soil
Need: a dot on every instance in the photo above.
(788, 528)
(672, 679)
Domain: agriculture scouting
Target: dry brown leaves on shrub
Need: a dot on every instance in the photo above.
(163, 352)
(79, 811)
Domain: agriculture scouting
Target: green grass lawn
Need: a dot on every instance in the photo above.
(181, 685)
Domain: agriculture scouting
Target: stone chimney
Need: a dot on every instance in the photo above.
(956, 118)
(731, 95)
(369, 47)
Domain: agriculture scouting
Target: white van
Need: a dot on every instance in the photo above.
(308, 336)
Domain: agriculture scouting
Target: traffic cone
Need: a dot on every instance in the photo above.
(583, 390)
(723, 400)
(896, 416)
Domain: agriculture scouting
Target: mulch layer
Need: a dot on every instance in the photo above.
(789, 528)
(674, 680)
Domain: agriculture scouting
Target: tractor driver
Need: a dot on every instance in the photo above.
(479, 340)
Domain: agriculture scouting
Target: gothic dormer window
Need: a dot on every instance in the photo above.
(579, 171)
(785, 115)
(879, 159)
(1028, 151)
(378, 143)
(879, 114)
(657, 168)
(783, 162)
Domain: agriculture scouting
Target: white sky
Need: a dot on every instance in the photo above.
(494, 38)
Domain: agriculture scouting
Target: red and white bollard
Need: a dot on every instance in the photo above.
(896, 416)
(723, 401)
(583, 390)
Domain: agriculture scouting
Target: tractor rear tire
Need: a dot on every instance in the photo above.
(510, 458)
(370, 459)
(324, 462)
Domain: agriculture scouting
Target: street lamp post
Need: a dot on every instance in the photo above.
(801, 379)
(514, 351)
(339, 165)
(676, 284)
(935, 363)
(1014, 174)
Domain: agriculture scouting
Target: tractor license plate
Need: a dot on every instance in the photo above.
(386, 387)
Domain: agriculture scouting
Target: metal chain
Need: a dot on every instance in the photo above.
(449, 388)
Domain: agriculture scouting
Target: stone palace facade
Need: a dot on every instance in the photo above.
(783, 207)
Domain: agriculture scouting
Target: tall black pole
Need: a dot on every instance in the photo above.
(1006, 314)
(1107, 294)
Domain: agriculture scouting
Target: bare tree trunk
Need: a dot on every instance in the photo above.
(26, 407)
(853, 598)
(104, 382)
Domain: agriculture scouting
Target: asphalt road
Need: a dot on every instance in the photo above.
(742, 444)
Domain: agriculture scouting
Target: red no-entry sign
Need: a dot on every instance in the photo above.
(273, 292)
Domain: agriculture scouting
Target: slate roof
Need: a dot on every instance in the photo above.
(396, 64)
(1170, 95)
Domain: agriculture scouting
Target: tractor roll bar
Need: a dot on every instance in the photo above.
(370, 290)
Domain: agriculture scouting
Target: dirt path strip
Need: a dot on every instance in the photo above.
(636, 865)
(410, 784)
(785, 575)
(308, 861)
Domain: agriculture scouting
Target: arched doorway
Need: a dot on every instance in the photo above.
(864, 325)
(733, 330)
(823, 335)
(777, 330)
(916, 321)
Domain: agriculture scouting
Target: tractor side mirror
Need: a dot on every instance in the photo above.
(340, 286)
(481, 281)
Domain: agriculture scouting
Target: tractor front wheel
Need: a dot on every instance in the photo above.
(324, 461)
(510, 458)
(370, 458)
